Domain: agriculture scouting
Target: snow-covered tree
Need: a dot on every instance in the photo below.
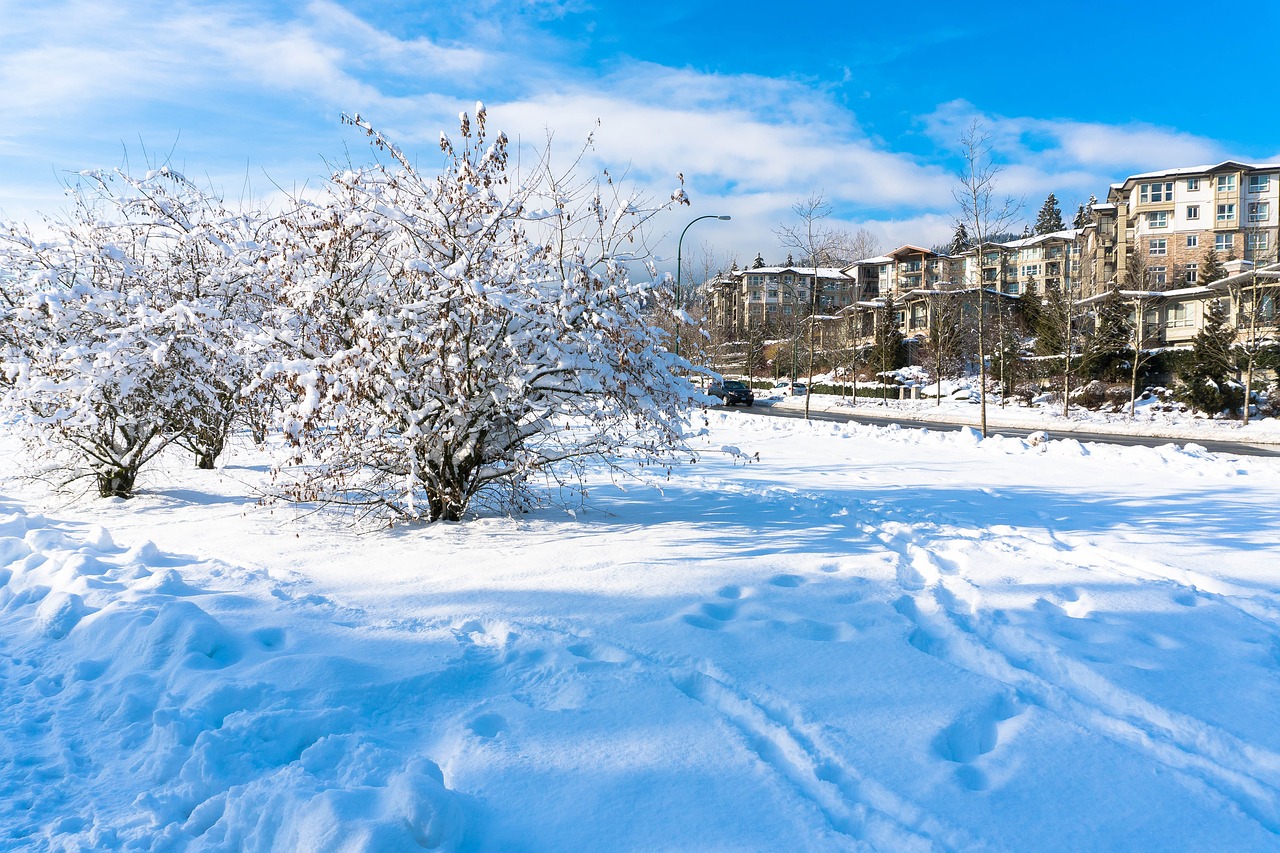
(118, 339)
(441, 337)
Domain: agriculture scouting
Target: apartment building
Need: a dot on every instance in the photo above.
(1009, 268)
(1150, 234)
(1158, 226)
(765, 295)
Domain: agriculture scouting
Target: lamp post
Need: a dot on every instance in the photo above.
(679, 249)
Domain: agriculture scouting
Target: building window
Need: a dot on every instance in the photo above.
(1226, 183)
(1158, 275)
(786, 279)
(1193, 273)
(1259, 183)
(1224, 242)
(757, 296)
(786, 309)
(1031, 270)
(772, 309)
(802, 296)
(1178, 315)
(773, 293)
(1226, 212)
(1155, 192)
(1193, 241)
(1254, 243)
(1193, 211)
(1158, 219)
(756, 280)
(1193, 184)
(1159, 247)
(1259, 211)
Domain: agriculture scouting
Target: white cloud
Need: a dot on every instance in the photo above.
(268, 82)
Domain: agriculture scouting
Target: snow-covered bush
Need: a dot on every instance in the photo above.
(440, 335)
(122, 326)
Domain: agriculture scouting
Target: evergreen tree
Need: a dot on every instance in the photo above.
(1051, 321)
(959, 241)
(1079, 221)
(1026, 231)
(1211, 270)
(1205, 377)
(889, 352)
(1106, 344)
(1030, 307)
(1088, 208)
(758, 263)
(1050, 218)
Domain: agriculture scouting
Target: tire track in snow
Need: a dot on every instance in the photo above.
(949, 624)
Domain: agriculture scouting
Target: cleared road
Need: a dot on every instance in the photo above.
(1217, 446)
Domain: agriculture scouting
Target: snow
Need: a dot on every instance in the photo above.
(960, 399)
(871, 638)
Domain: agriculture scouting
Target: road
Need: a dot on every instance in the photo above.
(1217, 446)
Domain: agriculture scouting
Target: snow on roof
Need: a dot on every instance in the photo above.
(823, 272)
(1200, 170)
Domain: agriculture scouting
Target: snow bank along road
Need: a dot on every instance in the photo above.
(870, 639)
(1055, 428)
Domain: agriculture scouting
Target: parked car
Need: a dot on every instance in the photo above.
(733, 392)
(792, 389)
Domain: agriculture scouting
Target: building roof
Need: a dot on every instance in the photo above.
(800, 269)
(1034, 239)
(1232, 165)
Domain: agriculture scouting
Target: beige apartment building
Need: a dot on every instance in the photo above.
(1159, 225)
(1149, 235)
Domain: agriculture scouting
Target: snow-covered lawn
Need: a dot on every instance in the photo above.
(1150, 417)
(871, 638)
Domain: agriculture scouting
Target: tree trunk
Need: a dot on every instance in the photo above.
(116, 482)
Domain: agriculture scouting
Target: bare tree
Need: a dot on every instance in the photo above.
(1138, 340)
(1254, 299)
(818, 245)
(857, 245)
(983, 214)
(702, 267)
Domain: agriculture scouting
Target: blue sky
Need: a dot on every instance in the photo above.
(757, 104)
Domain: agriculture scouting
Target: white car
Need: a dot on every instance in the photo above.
(793, 389)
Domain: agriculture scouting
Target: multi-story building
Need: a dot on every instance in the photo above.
(765, 295)
(1159, 225)
(1151, 234)
(1046, 259)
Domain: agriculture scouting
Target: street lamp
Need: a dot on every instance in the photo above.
(679, 248)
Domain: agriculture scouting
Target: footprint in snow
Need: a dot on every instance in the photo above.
(488, 725)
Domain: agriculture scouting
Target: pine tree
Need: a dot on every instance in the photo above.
(1050, 218)
(889, 350)
(959, 241)
(1105, 345)
(1205, 378)
(758, 263)
(1211, 270)
(1030, 307)
(1050, 328)
(1079, 221)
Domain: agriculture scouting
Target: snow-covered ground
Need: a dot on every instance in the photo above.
(869, 639)
(1151, 417)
